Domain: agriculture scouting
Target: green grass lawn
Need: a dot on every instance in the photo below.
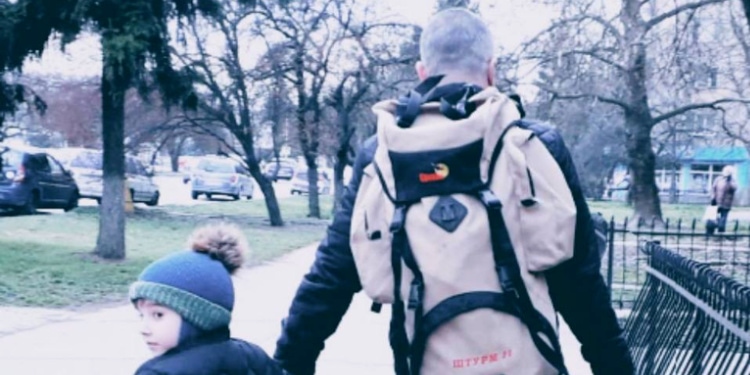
(621, 210)
(47, 260)
(671, 212)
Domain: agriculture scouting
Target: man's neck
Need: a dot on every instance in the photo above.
(460, 78)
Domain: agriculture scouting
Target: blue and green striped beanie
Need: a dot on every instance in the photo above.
(197, 283)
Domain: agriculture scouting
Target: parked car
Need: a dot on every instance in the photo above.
(221, 176)
(300, 184)
(283, 169)
(32, 179)
(86, 165)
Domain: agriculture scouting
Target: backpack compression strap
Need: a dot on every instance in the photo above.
(512, 284)
(453, 99)
(397, 334)
(408, 356)
(509, 272)
(409, 105)
(513, 300)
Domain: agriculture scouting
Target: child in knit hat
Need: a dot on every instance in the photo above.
(185, 302)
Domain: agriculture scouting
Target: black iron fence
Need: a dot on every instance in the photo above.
(688, 318)
(623, 265)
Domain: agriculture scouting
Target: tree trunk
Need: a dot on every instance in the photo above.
(307, 134)
(174, 161)
(175, 150)
(338, 177)
(642, 161)
(265, 184)
(312, 181)
(110, 243)
(342, 154)
(272, 203)
(307, 129)
(638, 119)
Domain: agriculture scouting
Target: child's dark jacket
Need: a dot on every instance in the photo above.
(214, 354)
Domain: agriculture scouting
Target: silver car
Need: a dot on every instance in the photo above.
(300, 184)
(221, 176)
(86, 165)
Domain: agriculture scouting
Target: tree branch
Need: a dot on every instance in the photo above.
(198, 124)
(601, 98)
(734, 134)
(690, 6)
(607, 25)
(691, 107)
(591, 53)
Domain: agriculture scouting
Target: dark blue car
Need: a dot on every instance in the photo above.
(33, 179)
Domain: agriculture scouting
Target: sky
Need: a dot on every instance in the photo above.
(512, 22)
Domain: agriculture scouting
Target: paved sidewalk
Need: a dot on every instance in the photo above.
(36, 342)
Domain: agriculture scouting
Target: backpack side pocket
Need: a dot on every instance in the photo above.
(547, 210)
(549, 224)
(371, 238)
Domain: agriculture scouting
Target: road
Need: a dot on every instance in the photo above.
(174, 192)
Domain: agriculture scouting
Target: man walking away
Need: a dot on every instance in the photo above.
(722, 194)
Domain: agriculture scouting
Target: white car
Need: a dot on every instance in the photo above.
(220, 176)
(86, 165)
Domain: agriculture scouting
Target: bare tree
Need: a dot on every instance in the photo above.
(621, 45)
(735, 123)
(227, 105)
(151, 127)
(273, 90)
(73, 108)
(312, 31)
(376, 75)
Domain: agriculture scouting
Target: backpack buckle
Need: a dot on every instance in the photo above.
(399, 218)
(507, 281)
(489, 199)
(415, 294)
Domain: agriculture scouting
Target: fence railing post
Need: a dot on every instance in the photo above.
(626, 267)
(610, 254)
(689, 318)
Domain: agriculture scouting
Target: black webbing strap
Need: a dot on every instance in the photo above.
(408, 107)
(451, 308)
(509, 274)
(397, 335)
(402, 250)
(416, 299)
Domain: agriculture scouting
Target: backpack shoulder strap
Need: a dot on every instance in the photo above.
(509, 274)
(508, 269)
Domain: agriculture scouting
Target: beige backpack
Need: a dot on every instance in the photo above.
(454, 222)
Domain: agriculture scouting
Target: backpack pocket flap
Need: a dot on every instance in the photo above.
(438, 172)
(371, 239)
(546, 211)
(548, 225)
(522, 179)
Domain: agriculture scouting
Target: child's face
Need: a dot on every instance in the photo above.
(160, 326)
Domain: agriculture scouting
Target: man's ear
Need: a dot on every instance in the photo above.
(421, 70)
(491, 73)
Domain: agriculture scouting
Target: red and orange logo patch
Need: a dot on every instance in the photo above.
(440, 172)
